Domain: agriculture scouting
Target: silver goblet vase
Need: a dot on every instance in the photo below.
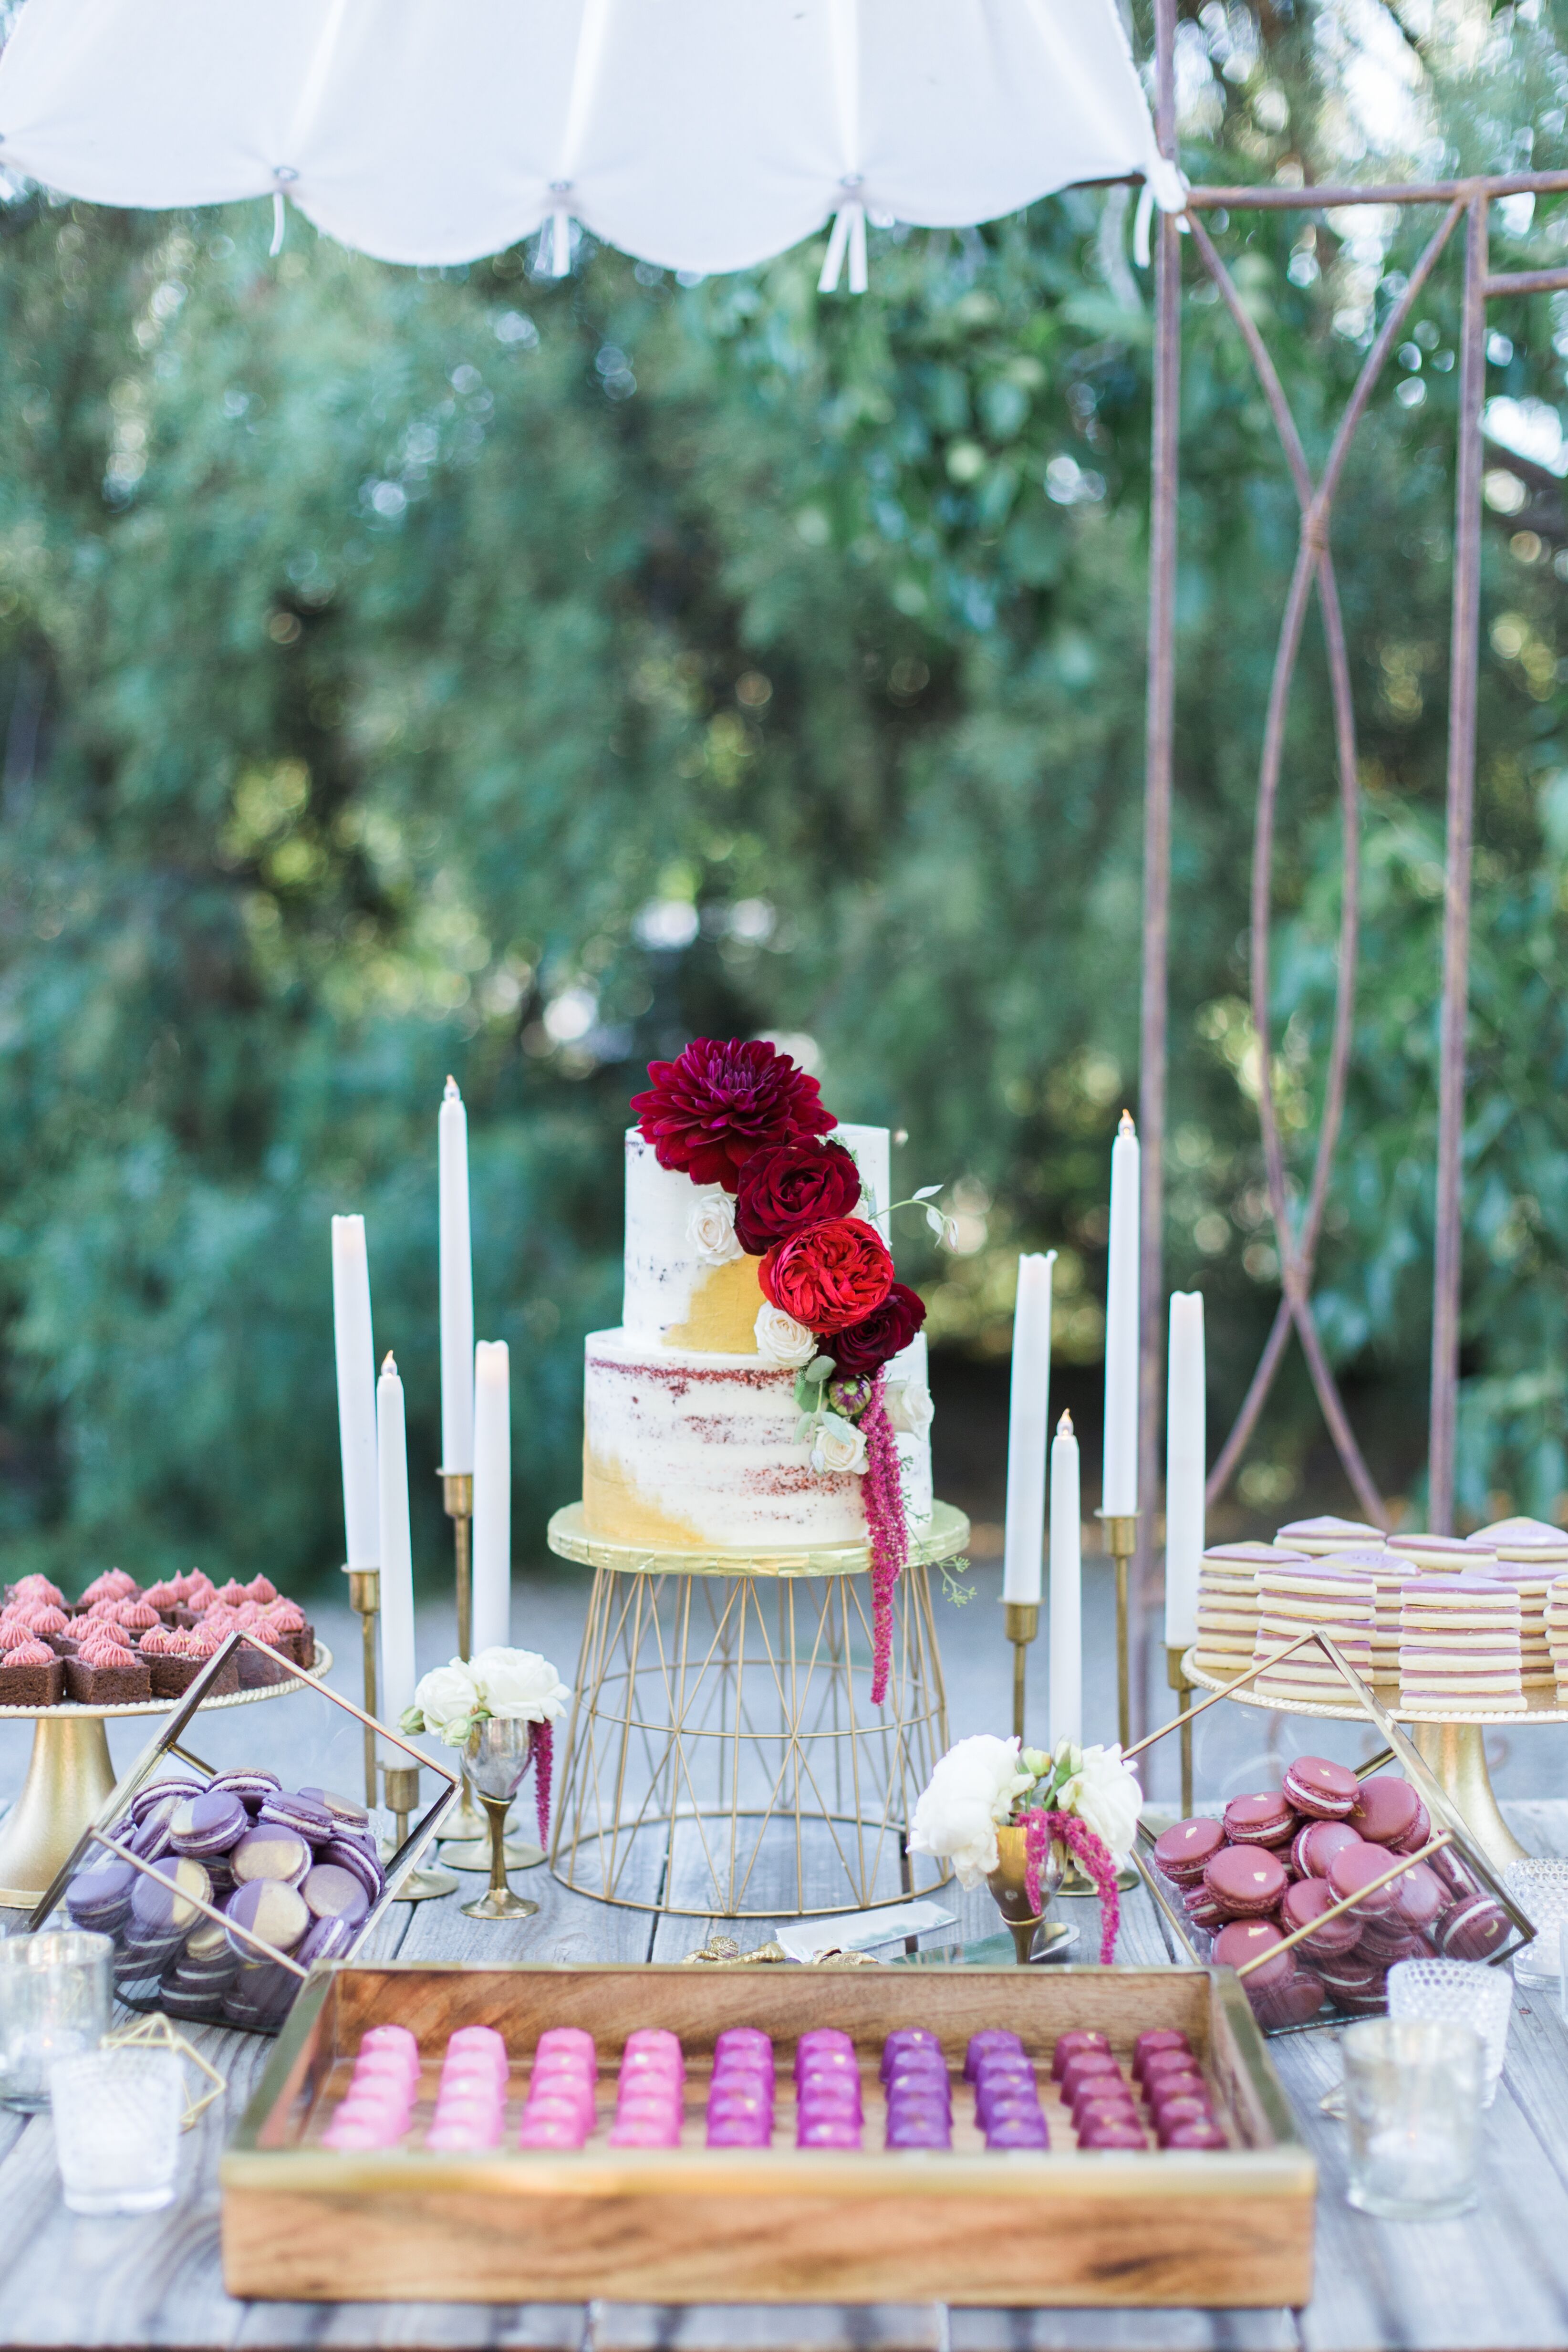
(497, 1756)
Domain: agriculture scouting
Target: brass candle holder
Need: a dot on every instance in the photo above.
(1178, 1681)
(365, 1600)
(1020, 1619)
(421, 1885)
(1122, 1542)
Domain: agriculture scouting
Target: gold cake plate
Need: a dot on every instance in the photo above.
(69, 1775)
(944, 1538)
(1455, 1750)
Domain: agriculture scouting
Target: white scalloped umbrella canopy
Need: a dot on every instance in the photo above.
(703, 135)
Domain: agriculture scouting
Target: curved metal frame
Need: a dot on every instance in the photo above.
(1298, 1240)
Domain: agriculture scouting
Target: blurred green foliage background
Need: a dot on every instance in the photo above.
(404, 671)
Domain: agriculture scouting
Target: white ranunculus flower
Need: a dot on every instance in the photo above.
(780, 1338)
(521, 1686)
(971, 1791)
(909, 1407)
(1104, 1794)
(710, 1229)
(838, 1446)
(446, 1697)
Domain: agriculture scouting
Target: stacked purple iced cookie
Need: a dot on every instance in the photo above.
(1007, 2095)
(560, 2109)
(376, 2110)
(471, 2098)
(828, 2110)
(741, 2094)
(650, 2095)
(915, 2086)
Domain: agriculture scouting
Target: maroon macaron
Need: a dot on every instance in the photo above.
(1246, 1881)
(1316, 1843)
(1348, 1975)
(1325, 1791)
(1182, 1851)
(1387, 1811)
(1354, 1869)
(1246, 1940)
(1295, 2001)
(1474, 1929)
(1202, 1909)
(1420, 1897)
(1386, 1941)
(1268, 1819)
(1306, 1902)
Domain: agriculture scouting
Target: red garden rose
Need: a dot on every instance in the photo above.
(709, 1111)
(866, 1346)
(787, 1186)
(830, 1275)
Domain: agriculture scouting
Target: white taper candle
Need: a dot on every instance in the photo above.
(492, 1496)
(1187, 1455)
(456, 1286)
(1066, 1611)
(356, 1390)
(398, 1675)
(1119, 1495)
(1023, 1542)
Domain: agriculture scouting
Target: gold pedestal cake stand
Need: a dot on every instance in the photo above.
(1455, 1752)
(69, 1775)
(723, 1714)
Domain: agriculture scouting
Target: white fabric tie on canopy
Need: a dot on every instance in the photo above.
(700, 135)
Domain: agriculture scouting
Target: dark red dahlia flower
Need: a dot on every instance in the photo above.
(723, 1100)
(787, 1186)
(866, 1346)
(830, 1275)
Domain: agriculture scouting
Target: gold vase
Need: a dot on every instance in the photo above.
(1010, 1893)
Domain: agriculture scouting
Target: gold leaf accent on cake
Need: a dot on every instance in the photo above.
(614, 1508)
(723, 1317)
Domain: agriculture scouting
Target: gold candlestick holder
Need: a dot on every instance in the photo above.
(1020, 1619)
(1178, 1681)
(1121, 1542)
(421, 1885)
(365, 1600)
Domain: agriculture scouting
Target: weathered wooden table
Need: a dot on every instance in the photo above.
(1499, 2279)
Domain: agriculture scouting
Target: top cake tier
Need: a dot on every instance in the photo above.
(689, 1285)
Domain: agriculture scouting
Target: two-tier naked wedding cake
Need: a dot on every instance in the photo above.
(766, 1386)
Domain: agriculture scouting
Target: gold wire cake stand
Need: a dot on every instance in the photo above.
(69, 1775)
(1454, 1751)
(723, 1732)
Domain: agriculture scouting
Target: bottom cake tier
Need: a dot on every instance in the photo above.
(684, 1448)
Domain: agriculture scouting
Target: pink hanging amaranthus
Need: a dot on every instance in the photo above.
(887, 1529)
(1041, 1830)
(544, 1756)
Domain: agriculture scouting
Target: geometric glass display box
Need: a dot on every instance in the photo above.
(219, 1911)
(723, 1758)
(1312, 1908)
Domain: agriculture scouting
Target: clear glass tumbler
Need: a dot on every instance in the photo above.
(1540, 1887)
(117, 2130)
(1458, 1992)
(54, 2002)
(1413, 2096)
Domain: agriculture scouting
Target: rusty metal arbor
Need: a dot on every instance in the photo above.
(1463, 207)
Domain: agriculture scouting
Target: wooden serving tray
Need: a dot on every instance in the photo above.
(1229, 2227)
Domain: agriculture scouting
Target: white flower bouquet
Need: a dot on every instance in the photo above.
(451, 1701)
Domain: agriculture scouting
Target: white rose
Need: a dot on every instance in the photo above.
(909, 1407)
(710, 1229)
(780, 1338)
(446, 1697)
(521, 1686)
(972, 1789)
(838, 1446)
(1104, 1794)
